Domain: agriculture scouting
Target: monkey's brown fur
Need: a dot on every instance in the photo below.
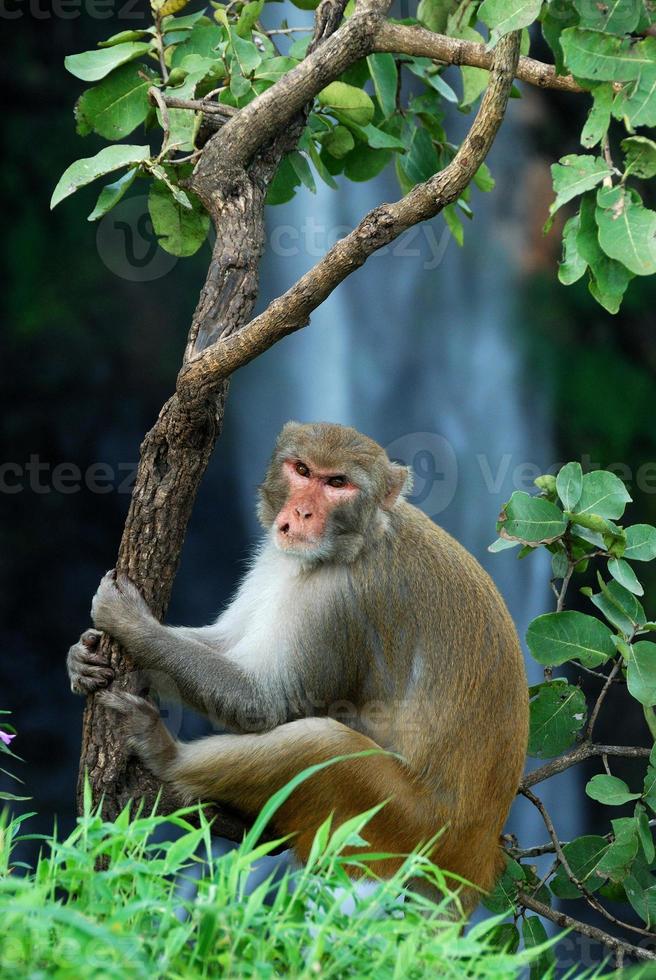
(393, 627)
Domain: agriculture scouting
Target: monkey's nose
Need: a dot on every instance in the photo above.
(303, 513)
(284, 528)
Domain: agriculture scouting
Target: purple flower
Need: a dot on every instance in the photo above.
(5, 737)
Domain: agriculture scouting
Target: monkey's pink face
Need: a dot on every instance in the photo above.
(300, 527)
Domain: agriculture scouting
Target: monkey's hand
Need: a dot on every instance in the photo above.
(88, 668)
(119, 609)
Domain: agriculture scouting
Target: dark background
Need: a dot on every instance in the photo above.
(487, 351)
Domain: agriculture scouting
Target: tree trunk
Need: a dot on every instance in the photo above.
(174, 456)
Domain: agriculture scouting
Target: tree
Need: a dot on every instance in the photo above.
(244, 125)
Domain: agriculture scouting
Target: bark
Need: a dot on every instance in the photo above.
(173, 459)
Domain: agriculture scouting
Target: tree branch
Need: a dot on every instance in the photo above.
(587, 750)
(400, 39)
(584, 890)
(567, 922)
(292, 310)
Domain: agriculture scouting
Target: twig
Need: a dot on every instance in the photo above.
(155, 95)
(520, 853)
(584, 890)
(586, 750)
(199, 105)
(159, 41)
(567, 922)
(287, 30)
(400, 39)
(600, 700)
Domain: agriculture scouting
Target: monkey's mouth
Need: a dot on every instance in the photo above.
(289, 539)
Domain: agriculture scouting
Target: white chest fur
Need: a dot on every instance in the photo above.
(272, 603)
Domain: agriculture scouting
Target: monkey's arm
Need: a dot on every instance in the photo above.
(206, 679)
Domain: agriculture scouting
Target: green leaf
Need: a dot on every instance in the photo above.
(116, 106)
(619, 856)
(575, 174)
(203, 40)
(504, 894)
(610, 790)
(501, 544)
(180, 231)
(604, 58)
(608, 278)
(649, 786)
(612, 16)
(385, 76)
(627, 230)
(84, 171)
(434, 14)
(91, 66)
(247, 54)
(378, 139)
(121, 37)
(557, 637)
(532, 520)
(636, 103)
(583, 856)
(619, 606)
(641, 672)
(644, 833)
(504, 16)
(602, 494)
(350, 101)
(557, 714)
(573, 265)
(640, 542)
(363, 163)
(569, 484)
(302, 168)
(643, 899)
(247, 17)
(284, 184)
(598, 120)
(421, 161)
(338, 141)
(112, 194)
(535, 934)
(640, 156)
(556, 16)
(625, 575)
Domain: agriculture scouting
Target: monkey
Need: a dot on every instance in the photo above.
(361, 626)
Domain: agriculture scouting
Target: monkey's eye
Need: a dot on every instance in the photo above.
(302, 469)
(337, 481)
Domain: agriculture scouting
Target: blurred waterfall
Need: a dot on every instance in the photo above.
(421, 351)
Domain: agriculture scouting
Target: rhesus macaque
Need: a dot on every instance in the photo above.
(360, 624)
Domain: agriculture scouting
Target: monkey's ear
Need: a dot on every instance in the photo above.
(399, 482)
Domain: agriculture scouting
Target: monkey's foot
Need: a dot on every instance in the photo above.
(144, 731)
(88, 668)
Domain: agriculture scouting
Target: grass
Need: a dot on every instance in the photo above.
(64, 918)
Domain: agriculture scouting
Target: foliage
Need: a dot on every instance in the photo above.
(385, 108)
(7, 735)
(132, 919)
(575, 517)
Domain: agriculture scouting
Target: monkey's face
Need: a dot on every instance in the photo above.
(326, 490)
